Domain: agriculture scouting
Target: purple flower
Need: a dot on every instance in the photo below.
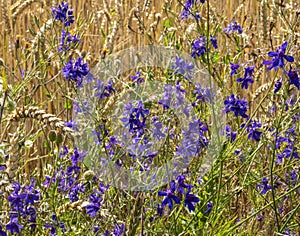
(167, 98)
(278, 57)
(2, 167)
(67, 40)
(264, 186)
(72, 125)
(160, 210)
(76, 71)
(81, 106)
(183, 67)
(278, 85)
(13, 226)
(2, 233)
(119, 230)
(169, 196)
(93, 208)
(135, 118)
(233, 27)
(234, 68)
(63, 13)
(198, 47)
(188, 7)
(248, 77)
(156, 130)
(213, 40)
(181, 185)
(137, 78)
(209, 206)
(253, 130)
(230, 134)
(294, 78)
(236, 105)
(190, 200)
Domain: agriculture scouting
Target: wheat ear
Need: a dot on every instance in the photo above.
(40, 115)
(21, 7)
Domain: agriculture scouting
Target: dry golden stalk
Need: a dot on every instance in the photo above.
(21, 7)
(40, 115)
(5, 16)
(147, 7)
(13, 151)
(109, 43)
(264, 20)
(260, 90)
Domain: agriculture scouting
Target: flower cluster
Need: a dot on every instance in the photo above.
(294, 78)
(95, 200)
(234, 68)
(67, 40)
(237, 106)
(22, 202)
(75, 71)
(265, 187)
(253, 130)
(67, 179)
(135, 118)
(188, 7)
(137, 78)
(63, 13)
(198, 47)
(183, 67)
(278, 57)
(288, 142)
(248, 77)
(233, 27)
(175, 193)
(103, 91)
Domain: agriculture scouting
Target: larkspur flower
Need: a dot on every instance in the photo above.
(63, 13)
(160, 210)
(157, 129)
(230, 134)
(67, 40)
(2, 167)
(167, 97)
(213, 40)
(81, 106)
(198, 47)
(119, 230)
(278, 85)
(169, 195)
(75, 72)
(209, 207)
(137, 78)
(278, 57)
(264, 186)
(233, 27)
(183, 67)
(253, 128)
(190, 200)
(182, 187)
(13, 226)
(234, 68)
(95, 203)
(237, 106)
(2, 233)
(188, 7)
(72, 125)
(248, 77)
(135, 118)
(294, 78)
